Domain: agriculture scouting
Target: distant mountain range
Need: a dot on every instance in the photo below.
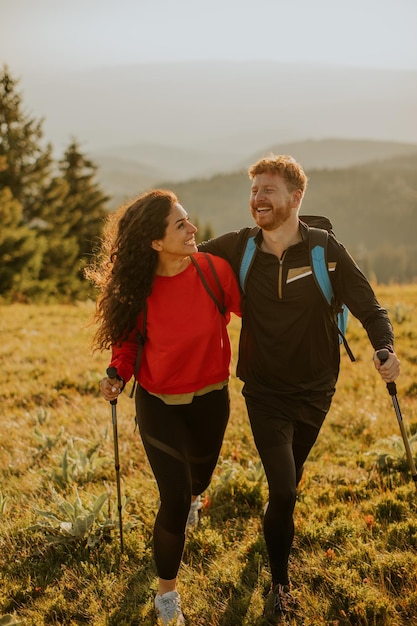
(195, 127)
(372, 205)
(145, 166)
(215, 113)
(126, 169)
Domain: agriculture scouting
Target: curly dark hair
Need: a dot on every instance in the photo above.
(126, 263)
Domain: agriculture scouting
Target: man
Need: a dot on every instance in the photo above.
(289, 347)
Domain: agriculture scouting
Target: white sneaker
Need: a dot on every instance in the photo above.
(168, 608)
(193, 516)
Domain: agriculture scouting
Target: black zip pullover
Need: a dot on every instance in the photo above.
(288, 343)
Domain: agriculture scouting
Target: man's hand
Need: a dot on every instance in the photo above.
(389, 369)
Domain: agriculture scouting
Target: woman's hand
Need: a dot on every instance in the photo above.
(110, 389)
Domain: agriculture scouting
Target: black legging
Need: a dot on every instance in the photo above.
(182, 443)
(283, 468)
(285, 429)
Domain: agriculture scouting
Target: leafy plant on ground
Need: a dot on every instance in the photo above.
(46, 442)
(78, 466)
(73, 522)
(355, 552)
(3, 503)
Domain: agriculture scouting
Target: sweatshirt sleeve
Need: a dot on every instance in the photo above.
(124, 356)
(229, 247)
(232, 298)
(356, 292)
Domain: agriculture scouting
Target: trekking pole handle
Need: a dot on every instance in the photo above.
(112, 376)
(383, 356)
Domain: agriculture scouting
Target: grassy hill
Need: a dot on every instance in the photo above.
(349, 196)
(372, 204)
(337, 153)
(125, 170)
(373, 208)
(355, 553)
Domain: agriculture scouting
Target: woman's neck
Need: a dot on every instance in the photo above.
(168, 266)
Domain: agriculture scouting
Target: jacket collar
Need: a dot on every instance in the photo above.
(257, 232)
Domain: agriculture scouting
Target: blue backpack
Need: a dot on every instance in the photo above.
(319, 230)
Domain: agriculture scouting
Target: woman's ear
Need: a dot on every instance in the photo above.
(156, 245)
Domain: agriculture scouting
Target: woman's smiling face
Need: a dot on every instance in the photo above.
(179, 238)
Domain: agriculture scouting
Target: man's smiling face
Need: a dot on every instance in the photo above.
(271, 203)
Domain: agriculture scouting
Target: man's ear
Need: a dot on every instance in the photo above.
(156, 245)
(297, 196)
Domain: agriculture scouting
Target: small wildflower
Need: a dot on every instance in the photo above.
(206, 502)
(370, 521)
(330, 553)
(235, 454)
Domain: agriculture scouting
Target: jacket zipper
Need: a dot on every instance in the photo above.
(281, 263)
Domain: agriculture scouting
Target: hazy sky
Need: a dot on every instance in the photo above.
(41, 34)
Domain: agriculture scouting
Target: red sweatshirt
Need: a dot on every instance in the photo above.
(187, 345)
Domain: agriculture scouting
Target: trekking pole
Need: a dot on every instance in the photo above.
(392, 390)
(112, 375)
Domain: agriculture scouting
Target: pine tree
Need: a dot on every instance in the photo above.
(203, 234)
(27, 164)
(85, 201)
(25, 169)
(20, 252)
(207, 233)
(51, 213)
(83, 210)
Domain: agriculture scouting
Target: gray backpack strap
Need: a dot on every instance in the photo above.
(220, 305)
(141, 338)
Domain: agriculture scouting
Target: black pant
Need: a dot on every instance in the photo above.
(285, 429)
(182, 443)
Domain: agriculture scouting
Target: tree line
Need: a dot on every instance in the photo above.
(52, 212)
(372, 206)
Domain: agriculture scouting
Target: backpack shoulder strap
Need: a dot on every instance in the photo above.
(247, 259)
(318, 257)
(218, 302)
(141, 338)
(318, 238)
(318, 221)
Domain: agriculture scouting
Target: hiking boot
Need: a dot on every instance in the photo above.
(168, 608)
(193, 516)
(279, 603)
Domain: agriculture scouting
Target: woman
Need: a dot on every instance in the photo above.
(150, 287)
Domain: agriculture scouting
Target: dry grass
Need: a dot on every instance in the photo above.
(355, 554)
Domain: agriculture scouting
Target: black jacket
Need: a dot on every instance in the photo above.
(288, 343)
